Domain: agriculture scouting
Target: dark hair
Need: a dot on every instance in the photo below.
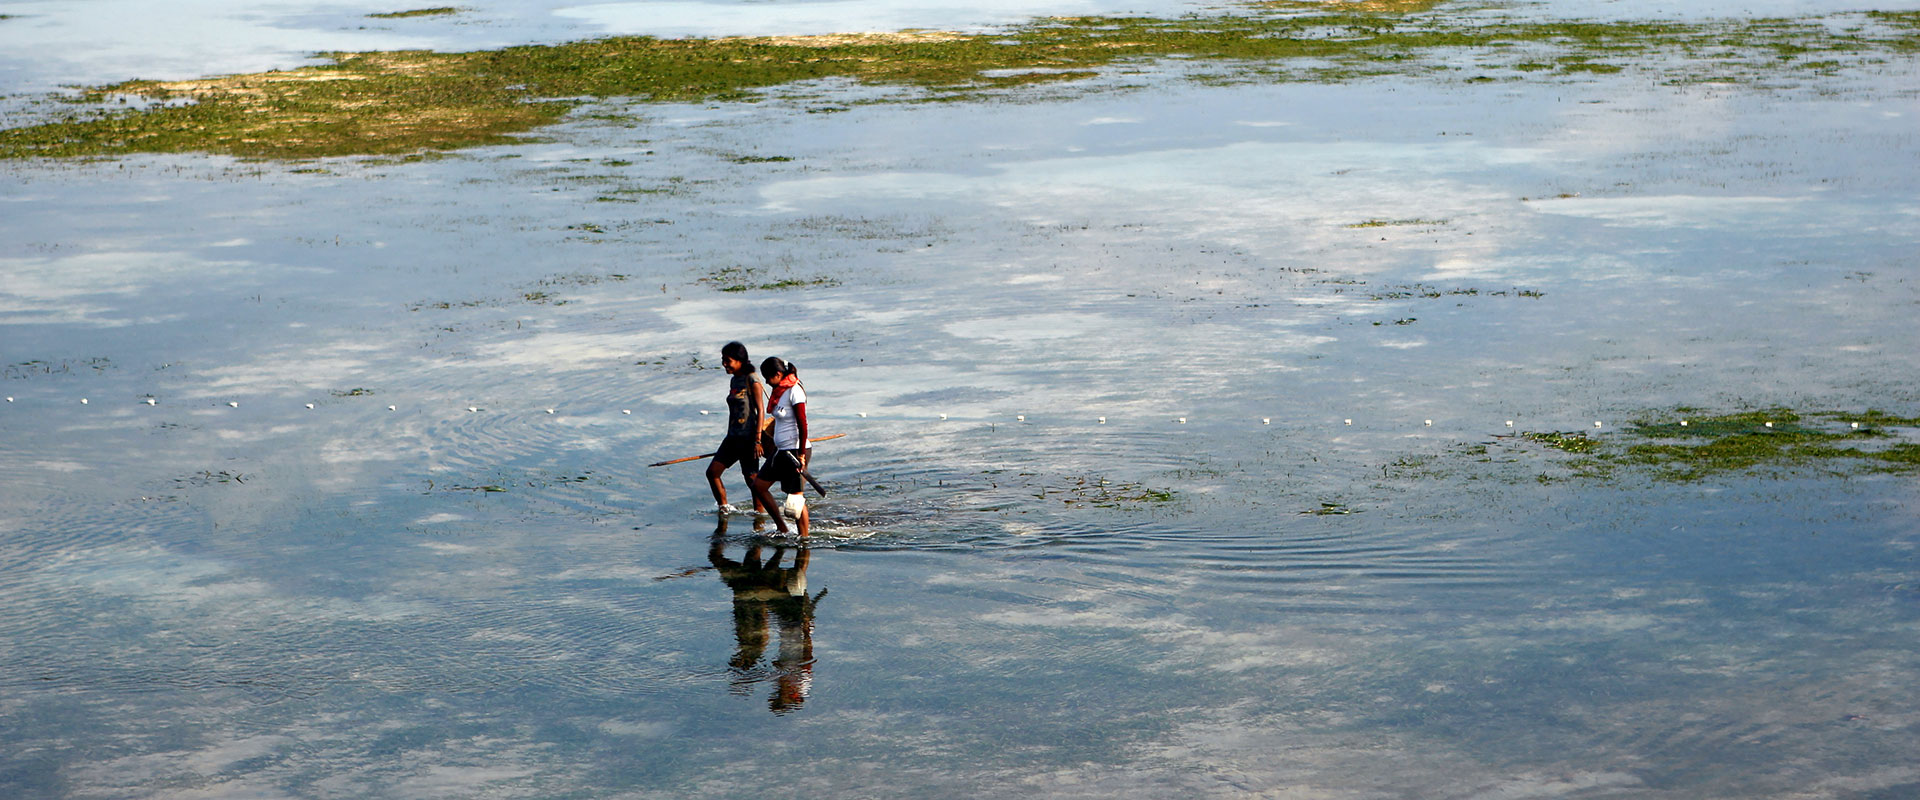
(773, 368)
(737, 352)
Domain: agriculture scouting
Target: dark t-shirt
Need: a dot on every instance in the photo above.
(743, 415)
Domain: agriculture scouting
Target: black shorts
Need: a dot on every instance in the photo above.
(783, 467)
(737, 449)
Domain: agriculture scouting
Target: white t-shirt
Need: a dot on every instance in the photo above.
(786, 429)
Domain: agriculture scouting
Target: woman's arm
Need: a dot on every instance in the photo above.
(756, 407)
(800, 419)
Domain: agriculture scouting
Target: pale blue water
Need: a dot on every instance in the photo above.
(228, 594)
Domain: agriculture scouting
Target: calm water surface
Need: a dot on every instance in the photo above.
(1096, 351)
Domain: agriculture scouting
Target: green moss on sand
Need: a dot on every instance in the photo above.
(438, 11)
(406, 102)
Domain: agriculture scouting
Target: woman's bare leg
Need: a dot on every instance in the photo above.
(715, 469)
(763, 495)
(748, 475)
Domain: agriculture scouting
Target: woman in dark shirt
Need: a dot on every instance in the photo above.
(742, 444)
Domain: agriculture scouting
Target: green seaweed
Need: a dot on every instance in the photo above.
(66, 366)
(1688, 448)
(1571, 442)
(408, 102)
(1686, 445)
(1096, 492)
(747, 279)
(437, 11)
(1385, 223)
(210, 477)
(1876, 418)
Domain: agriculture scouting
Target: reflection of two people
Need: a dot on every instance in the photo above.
(766, 595)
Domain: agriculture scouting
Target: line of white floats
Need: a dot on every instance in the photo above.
(863, 415)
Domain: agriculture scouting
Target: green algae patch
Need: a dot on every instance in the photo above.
(363, 104)
(1875, 418)
(438, 11)
(1394, 223)
(1685, 445)
(750, 279)
(409, 102)
(1360, 6)
(1097, 492)
(1695, 448)
(1568, 442)
(1906, 24)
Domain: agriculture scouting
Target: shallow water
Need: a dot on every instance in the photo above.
(460, 581)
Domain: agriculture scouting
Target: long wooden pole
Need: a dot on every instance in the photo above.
(710, 455)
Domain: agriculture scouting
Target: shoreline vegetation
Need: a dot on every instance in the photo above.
(436, 11)
(407, 102)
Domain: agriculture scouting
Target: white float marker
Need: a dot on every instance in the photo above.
(83, 401)
(151, 402)
(704, 412)
(1102, 420)
(1683, 423)
(943, 416)
(1856, 425)
(1769, 424)
(628, 411)
(391, 408)
(1020, 418)
(549, 412)
(472, 410)
(1429, 423)
(309, 406)
(863, 415)
(233, 404)
(1183, 420)
(1349, 422)
(1266, 421)
(1509, 423)
(1596, 423)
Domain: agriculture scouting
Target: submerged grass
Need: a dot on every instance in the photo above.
(1684, 446)
(1389, 223)
(1571, 442)
(748, 279)
(1734, 442)
(1098, 492)
(437, 11)
(384, 103)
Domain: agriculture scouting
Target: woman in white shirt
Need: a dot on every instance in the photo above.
(787, 415)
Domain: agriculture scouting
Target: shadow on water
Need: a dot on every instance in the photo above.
(770, 603)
